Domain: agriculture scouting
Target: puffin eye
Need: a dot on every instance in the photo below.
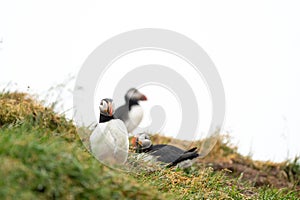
(103, 105)
(102, 102)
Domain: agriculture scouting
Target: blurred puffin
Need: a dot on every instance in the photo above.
(162, 152)
(109, 140)
(131, 113)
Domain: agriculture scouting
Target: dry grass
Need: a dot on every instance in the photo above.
(17, 108)
(224, 156)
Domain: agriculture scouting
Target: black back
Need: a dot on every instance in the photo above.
(171, 154)
(122, 113)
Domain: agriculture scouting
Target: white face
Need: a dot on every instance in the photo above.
(144, 140)
(132, 94)
(135, 94)
(107, 107)
(144, 136)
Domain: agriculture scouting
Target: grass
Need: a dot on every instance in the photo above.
(42, 157)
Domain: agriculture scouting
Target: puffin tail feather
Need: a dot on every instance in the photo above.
(191, 150)
(185, 156)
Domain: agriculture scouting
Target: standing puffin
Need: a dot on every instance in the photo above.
(162, 152)
(109, 140)
(131, 113)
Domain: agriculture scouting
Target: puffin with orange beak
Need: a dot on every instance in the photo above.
(109, 140)
(131, 113)
(165, 153)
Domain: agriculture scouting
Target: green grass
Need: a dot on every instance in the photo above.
(42, 157)
(38, 165)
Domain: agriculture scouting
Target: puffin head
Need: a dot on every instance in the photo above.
(141, 141)
(107, 107)
(134, 95)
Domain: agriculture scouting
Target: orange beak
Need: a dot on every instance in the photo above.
(110, 111)
(143, 98)
(133, 141)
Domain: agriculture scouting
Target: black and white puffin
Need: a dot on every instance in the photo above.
(109, 140)
(131, 113)
(163, 152)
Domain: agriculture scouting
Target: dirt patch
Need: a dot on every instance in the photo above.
(275, 176)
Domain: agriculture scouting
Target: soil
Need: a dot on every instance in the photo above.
(273, 176)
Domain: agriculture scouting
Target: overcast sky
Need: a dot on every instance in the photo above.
(255, 46)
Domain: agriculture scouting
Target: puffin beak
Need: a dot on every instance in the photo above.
(143, 98)
(133, 141)
(110, 111)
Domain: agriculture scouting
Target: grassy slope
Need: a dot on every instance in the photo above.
(42, 157)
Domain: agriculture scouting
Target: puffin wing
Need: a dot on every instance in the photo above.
(101, 143)
(187, 155)
(171, 154)
(122, 113)
(166, 153)
(118, 131)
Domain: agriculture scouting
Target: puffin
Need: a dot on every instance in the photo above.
(109, 140)
(131, 113)
(165, 153)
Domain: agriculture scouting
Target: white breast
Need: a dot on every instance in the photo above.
(135, 117)
(109, 142)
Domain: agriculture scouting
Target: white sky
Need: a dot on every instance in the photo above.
(255, 46)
